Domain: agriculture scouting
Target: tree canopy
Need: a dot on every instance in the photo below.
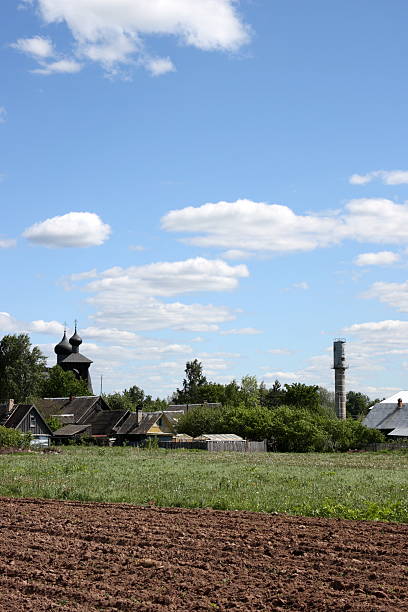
(59, 383)
(22, 368)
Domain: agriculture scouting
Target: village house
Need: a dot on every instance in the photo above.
(390, 416)
(26, 419)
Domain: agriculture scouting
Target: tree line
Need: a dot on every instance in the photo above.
(294, 416)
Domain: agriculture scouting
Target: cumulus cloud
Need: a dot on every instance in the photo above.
(160, 65)
(152, 314)
(42, 50)
(243, 331)
(382, 258)
(112, 32)
(7, 243)
(388, 177)
(38, 47)
(392, 294)
(257, 227)
(75, 229)
(127, 297)
(63, 66)
(170, 278)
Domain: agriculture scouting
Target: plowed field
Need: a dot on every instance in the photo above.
(87, 556)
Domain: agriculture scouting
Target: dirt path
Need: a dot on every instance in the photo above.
(82, 556)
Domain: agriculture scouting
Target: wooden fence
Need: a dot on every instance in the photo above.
(379, 446)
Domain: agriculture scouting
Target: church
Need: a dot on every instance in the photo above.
(70, 359)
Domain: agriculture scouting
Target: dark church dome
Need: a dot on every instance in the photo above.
(75, 341)
(63, 347)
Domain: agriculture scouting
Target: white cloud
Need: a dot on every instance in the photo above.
(303, 285)
(3, 114)
(136, 247)
(279, 351)
(7, 243)
(169, 278)
(148, 313)
(75, 229)
(126, 298)
(41, 49)
(38, 47)
(388, 177)
(63, 66)
(244, 331)
(382, 258)
(393, 294)
(259, 227)
(112, 32)
(160, 65)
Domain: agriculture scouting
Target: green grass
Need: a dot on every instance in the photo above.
(357, 485)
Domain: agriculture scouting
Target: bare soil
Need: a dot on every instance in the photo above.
(85, 556)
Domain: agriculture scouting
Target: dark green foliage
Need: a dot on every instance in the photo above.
(53, 423)
(273, 397)
(194, 380)
(11, 438)
(59, 383)
(357, 404)
(133, 398)
(299, 395)
(291, 429)
(22, 368)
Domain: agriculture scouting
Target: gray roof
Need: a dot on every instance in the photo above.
(400, 432)
(386, 415)
(72, 430)
(78, 406)
(130, 422)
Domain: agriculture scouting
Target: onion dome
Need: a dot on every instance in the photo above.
(63, 348)
(75, 341)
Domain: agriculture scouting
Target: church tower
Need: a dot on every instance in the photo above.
(70, 359)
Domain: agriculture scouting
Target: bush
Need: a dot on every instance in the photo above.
(11, 438)
(292, 429)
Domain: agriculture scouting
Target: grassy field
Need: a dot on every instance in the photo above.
(355, 485)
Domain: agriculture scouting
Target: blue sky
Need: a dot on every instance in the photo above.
(208, 179)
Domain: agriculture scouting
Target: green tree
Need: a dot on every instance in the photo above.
(357, 404)
(273, 397)
(194, 380)
(326, 401)
(59, 383)
(22, 368)
(249, 390)
(302, 396)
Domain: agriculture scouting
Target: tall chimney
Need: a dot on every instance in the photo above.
(340, 366)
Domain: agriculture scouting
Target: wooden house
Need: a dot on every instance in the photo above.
(390, 416)
(26, 419)
(160, 425)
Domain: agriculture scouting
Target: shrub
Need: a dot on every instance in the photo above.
(11, 438)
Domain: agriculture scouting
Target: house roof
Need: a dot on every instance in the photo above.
(185, 407)
(129, 423)
(401, 432)
(220, 438)
(394, 398)
(387, 415)
(14, 419)
(71, 430)
(103, 423)
(148, 420)
(78, 406)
